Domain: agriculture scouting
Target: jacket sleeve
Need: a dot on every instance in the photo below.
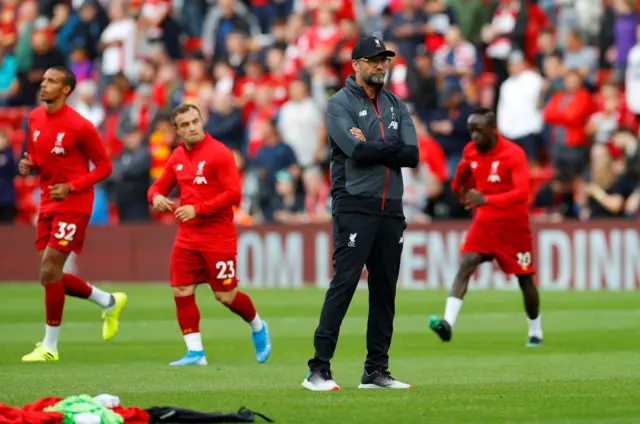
(229, 178)
(462, 176)
(521, 183)
(407, 156)
(95, 151)
(165, 183)
(339, 124)
(578, 110)
(28, 147)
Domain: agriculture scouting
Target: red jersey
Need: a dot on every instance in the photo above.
(502, 176)
(432, 154)
(317, 39)
(280, 87)
(61, 146)
(208, 179)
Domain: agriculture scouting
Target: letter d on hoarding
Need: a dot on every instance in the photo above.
(554, 251)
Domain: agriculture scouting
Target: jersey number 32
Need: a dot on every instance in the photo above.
(66, 231)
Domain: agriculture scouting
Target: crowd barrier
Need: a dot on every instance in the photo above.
(595, 255)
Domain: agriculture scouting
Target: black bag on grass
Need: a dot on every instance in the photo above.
(170, 414)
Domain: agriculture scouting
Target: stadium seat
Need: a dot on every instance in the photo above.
(16, 139)
(26, 205)
(114, 214)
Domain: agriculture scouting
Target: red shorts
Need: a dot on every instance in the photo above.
(188, 267)
(511, 247)
(62, 232)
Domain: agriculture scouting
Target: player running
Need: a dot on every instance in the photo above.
(60, 146)
(205, 247)
(500, 229)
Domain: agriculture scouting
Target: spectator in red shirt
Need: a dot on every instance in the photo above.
(319, 42)
(276, 78)
(440, 17)
(342, 56)
(113, 109)
(263, 112)
(609, 91)
(245, 87)
(567, 114)
(196, 78)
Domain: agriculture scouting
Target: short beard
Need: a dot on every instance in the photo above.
(374, 81)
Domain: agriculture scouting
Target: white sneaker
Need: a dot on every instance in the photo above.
(381, 380)
(320, 381)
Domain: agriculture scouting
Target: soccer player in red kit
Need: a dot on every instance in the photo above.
(61, 146)
(205, 247)
(493, 178)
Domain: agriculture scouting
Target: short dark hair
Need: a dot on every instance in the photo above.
(183, 108)
(487, 113)
(554, 55)
(69, 78)
(574, 71)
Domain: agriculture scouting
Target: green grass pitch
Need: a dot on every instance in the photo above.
(587, 372)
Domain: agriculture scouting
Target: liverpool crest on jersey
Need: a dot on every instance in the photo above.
(58, 149)
(200, 179)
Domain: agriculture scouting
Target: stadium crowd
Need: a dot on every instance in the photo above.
(563, 75)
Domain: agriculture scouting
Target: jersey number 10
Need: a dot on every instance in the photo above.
(524, 259)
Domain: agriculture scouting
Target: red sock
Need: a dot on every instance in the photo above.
(243, 306)
(188, 314)
(54, 302)
(74, 286)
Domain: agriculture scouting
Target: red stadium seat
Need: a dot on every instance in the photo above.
(17, 139)
(114, 214)
(25, 200)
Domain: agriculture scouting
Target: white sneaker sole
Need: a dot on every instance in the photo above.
(375, 386)
(307, 385)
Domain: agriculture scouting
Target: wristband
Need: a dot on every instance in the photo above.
(599, 194)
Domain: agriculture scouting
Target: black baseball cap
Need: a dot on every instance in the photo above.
(368, 47)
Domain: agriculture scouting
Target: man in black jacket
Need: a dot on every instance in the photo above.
(371, 136)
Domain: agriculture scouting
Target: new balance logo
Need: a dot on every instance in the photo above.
(363, 113)
(352, 240)
(200, 179)
(57, 148)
